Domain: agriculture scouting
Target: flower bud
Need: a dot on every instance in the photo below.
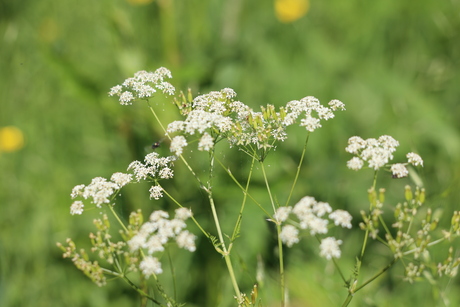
(408, 193)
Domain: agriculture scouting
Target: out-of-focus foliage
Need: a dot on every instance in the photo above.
(394, 64)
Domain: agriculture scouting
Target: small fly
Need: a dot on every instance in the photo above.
(157, 144)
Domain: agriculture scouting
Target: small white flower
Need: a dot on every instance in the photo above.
(158, 215)
(136, 242)
(183, 213)
(341, 217)
(126, 98)
(355, 143)
(77, 207)
(116, 90)
(316, 225)
(388, 142)
(321, 208)
(156, 192)
(150, 266)
(414, 159)
(399, 170)
(77, 191)
(206, 142)
(121, 179)
(310, 123)
(336, 105)
(155, 244)
(186, 240)
(289, 235)
(329, 248)
(355, 163)
(282, 213)
(166, 173)
(177, 144)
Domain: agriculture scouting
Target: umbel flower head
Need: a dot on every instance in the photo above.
(100, 191)
(378, 153)
(312, 215)
(217, 115)
(155, 233)
(143, 85)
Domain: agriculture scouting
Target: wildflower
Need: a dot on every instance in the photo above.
(126, 98)
(414, 159)
(355, 143)
(206, 142)
(156, 192)
(376, 152)
(341, 217)
(336, 105)
(150, 266)
(282, 214)
(290, 10)
(289, 235)
(177, 145)
(321, 208)
(183, 213)
(77, 191)
(158, 215)
(186, 240)
(166, 173)
(355, 163)
(155, 243)
(399, 170)
(121, 179)
(77, 207)
(100, 190)
(315, 224)
(11, 139)
(143, 85)
(137, 241)
(329, 248)
(310, 123)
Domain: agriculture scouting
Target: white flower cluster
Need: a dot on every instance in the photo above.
(224, 117)
(99, 191)
(143, 85)
(155, 166)
(378, 153)
(311, 215)
(155, 233)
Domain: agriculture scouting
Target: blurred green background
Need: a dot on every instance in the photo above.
(395, 64)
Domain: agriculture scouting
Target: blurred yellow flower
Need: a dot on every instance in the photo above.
(139, 2)
(291, 10)
(11, 139)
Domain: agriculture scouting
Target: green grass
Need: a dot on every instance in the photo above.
(393, 64)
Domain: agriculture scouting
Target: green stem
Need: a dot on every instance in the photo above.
(225, 253)
(268, 186)
(298, 169)
(242, 188)
(281, 260)
(354, 280)
(140, 291)
(280, 243)
(117, 218)
(377, 275)
(236, 229)
(192, 217)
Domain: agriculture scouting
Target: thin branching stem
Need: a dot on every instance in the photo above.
(244, 190)
(299, 166)
(225, 252)
(236, 229)
(280, 243)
